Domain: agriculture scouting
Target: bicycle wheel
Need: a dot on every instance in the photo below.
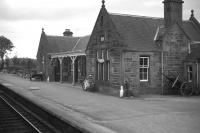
(186, 89)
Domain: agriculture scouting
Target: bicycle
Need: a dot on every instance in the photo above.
(176, 83)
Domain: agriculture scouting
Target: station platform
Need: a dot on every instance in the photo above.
(99, 113)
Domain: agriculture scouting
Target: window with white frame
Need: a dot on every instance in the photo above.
(189, 73)
(144, 68)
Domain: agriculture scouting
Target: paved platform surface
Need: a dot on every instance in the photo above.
(106, 114)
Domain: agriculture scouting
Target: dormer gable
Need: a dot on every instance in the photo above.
(104, 30)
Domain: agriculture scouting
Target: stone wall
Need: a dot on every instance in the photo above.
(175, 49)
(115, 69)
(43, 51)
(131, 68)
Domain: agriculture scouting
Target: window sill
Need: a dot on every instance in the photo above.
(144, 81)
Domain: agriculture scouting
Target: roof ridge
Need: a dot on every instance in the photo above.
(62, 36)
(138, 16)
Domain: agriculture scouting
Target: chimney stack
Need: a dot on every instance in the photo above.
(172, 12)
(67, 32)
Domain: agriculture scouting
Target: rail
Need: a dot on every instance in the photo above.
(23, 117)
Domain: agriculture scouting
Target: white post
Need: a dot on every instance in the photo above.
(61, 72)
(121, 92)
(73, 58)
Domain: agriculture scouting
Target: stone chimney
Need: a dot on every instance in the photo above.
(172, 12)
(67, 32)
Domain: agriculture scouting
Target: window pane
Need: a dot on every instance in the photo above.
(145, 70)
(146, 61)
(190, 69)
(145, 75)
(190, 75)
(141, 61)
(141, 70)
(141, 77)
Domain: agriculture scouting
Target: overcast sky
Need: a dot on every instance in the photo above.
(22, 20)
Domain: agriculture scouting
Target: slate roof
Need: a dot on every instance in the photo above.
(61, 44)
(191, 30)
(81, 44)
(138, 32)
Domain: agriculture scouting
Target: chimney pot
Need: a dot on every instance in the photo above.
(67, 32)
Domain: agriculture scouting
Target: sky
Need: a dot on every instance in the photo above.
(22, 21)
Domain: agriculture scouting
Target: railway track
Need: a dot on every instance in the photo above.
(21, 115)
(14, 118)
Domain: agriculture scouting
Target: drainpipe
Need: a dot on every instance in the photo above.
(162, 65)
(197, 74)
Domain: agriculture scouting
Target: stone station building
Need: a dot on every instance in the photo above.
(62, 58)
(126, 48)
(138, 49)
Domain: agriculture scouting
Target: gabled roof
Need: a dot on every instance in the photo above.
(191, 30)
(65, 45)
(62, 45)
(59, 44)
(138, 32)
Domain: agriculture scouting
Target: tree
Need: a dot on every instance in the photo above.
(23, 62)
(29, 63)
(5, 46)
(15, 60)
(7, 62)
